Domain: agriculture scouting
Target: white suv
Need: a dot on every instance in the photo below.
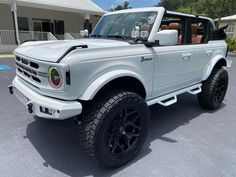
(133, 59)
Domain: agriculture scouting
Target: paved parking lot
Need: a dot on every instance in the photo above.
(184, 140)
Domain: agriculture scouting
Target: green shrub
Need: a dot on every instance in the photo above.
(231, 44)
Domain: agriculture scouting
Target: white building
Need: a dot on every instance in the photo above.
(231, 22)
(22, 20)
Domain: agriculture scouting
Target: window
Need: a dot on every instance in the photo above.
(23, 23)
(230, 30)
(37, 25)
(44, 25)
(198, 32)
(126, 25)
(173, 23)
(191, 30)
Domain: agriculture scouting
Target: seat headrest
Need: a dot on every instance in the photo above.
(164, 27)
(145, 27)
(194, 29)
(175, 26)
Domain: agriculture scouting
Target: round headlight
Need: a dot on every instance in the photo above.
(55, 78)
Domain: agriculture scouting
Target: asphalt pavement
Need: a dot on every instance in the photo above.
(184, 140)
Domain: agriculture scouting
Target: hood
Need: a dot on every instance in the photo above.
(52, 51)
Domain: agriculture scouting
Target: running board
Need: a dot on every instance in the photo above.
(195, 91)
(171, 98)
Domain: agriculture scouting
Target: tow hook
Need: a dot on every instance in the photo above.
(10, 87)
(30, 107)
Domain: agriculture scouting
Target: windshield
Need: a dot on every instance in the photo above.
(136, 25)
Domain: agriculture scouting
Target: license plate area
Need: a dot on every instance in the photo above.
(22, 98)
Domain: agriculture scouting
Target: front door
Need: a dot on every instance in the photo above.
(173, 69)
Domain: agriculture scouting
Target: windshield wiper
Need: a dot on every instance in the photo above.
(96, 35)
(139, 39)
(118, 36)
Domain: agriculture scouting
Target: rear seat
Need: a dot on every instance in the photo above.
(196, 39)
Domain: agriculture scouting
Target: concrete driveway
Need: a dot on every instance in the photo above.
(184, 140)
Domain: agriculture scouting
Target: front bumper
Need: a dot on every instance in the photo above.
(43, 106)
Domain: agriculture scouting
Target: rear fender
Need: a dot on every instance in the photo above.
(212, 63)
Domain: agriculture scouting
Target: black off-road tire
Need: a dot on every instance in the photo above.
(103, 125)
(214, 89)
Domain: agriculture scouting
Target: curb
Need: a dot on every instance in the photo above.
(6, 56)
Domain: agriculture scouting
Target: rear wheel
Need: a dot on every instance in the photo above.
(114, 129)
(214, 89)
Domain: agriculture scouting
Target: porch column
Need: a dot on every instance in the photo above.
(14, 14)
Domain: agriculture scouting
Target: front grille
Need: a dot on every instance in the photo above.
(35, 73)
(30, 70)
(26, 68)
(27, 62)
(34, 65)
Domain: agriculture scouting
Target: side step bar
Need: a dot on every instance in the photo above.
(168, 102)
(195, 91)
(171, 98)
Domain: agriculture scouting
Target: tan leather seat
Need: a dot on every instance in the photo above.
(164, 27)
(176, 26)
(196, 39)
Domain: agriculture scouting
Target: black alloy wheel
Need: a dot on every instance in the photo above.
(124, 132)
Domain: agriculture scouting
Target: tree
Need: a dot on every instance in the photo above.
(186, 10)
(211, 8)
(121, 7)
(185, 6)
(172, 5)
(216, 8)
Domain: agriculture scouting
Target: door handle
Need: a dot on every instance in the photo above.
(209, 52)
(186, 56)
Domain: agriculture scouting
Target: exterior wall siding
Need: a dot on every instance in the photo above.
(6, 19)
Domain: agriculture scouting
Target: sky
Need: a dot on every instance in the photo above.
(107, 4)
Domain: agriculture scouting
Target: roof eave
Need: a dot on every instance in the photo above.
(54, 7)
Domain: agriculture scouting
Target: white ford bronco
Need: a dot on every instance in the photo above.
(133, 59)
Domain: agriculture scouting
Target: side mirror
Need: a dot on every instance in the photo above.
(167, 37)
(84, 33)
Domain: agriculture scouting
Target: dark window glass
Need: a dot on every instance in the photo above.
(23, 23)
(37, 25)
(59, 27)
